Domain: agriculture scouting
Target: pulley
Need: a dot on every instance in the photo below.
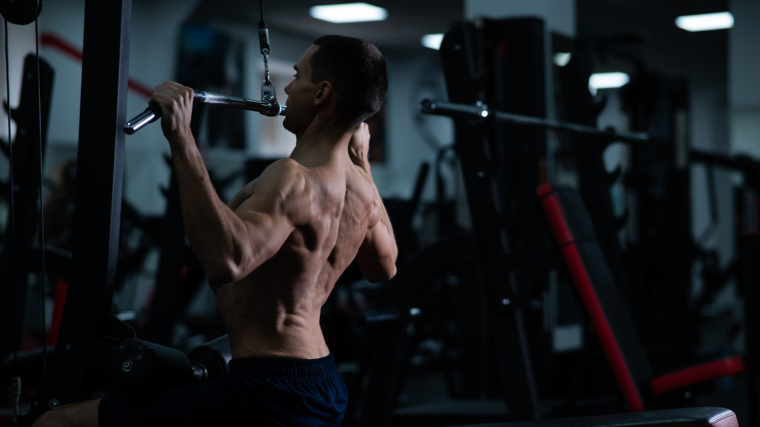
(20, 12)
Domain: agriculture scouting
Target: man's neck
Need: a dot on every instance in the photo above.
(321, 137)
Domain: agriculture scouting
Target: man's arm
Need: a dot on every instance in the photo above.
(378, 252)
(229, 245)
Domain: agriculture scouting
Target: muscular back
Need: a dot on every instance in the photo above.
(332, 205)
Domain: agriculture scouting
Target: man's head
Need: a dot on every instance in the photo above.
(356, 69)
(353, 69)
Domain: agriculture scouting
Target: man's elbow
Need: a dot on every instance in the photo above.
(222, 273)
(381, 275)
(391, 272)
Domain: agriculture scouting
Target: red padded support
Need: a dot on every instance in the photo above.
(696, 374)
(564, 237)
(572, 257)
(61, 290)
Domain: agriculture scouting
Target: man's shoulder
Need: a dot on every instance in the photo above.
(283, 170)
(284, 179)
(285, 165)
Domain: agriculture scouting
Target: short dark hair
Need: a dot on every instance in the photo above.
(356, 69)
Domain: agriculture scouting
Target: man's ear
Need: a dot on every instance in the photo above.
(324, 93)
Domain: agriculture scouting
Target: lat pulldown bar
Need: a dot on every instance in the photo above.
(269, 108)
(481, 112)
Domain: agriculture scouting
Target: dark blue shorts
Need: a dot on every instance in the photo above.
(266, 392)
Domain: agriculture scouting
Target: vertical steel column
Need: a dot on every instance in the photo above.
(23, 215)
(100, 168)
(480, 149)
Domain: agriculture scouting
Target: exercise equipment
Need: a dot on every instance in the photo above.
(574, 235)
(506, 244)
(481, 112)
(139, 366)
(495, 176)
(268, 107)
(691, 417)
(21, 253)
(20, 12)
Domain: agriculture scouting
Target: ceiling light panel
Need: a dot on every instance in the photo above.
(607, 81)
(348, 12)
(706, 22)
(433, 41)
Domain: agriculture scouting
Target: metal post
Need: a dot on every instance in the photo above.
(24, 211)
(100, 157)
(490, 200)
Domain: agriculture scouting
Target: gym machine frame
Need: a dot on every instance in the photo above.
(100, 165)
(481, 112)
(20, 253)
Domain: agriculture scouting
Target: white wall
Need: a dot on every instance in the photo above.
(152, 60)
(411, 79)
(743, 71)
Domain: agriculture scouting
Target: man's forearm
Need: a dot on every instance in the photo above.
(386, 221)
(209, 224)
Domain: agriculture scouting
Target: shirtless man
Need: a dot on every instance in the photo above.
(273, 255)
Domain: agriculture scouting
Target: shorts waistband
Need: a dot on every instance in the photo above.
(275, 366)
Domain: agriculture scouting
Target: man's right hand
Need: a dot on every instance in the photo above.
(358, 147)
(176, 102)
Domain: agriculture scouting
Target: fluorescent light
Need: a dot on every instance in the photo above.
(607, 81)
(349, 12)
(562, 58)
(433, 41)
(706, 22)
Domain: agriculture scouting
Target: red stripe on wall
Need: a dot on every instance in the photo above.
(54, 41)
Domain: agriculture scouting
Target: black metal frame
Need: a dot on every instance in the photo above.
(20, 255)
(660, 183)
(100, 165)
(499, 179)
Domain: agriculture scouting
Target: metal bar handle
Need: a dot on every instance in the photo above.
(153, 113)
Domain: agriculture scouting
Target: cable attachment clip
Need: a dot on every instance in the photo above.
(267, 87)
